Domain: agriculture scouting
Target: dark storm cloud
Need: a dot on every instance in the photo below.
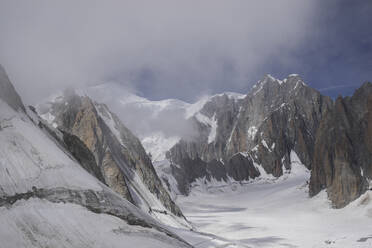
(337, 50)
(161, 48)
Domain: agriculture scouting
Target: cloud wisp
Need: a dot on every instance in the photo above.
(160, 48)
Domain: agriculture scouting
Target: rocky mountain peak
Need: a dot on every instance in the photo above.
(266, 82)
(119, 155)
(270, 86)
(8, 92)
(276, 118)
(366, 85)
(363, 91)
(343, 149)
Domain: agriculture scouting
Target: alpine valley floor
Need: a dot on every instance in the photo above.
(270, 212)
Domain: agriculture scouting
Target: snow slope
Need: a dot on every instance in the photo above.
(270, 212)
(48, 200)
(29, 158)
(39, 223)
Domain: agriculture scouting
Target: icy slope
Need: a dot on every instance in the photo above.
(39, 223)
(48, 200)
(30, 159)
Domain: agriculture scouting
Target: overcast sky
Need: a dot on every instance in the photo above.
(184, 49)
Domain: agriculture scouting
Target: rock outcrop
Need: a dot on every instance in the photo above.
(342, 161)
(119, 155)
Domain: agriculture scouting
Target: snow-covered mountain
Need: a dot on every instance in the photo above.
(158, 124)
(240, 166)
(240, 139)
(234, 137)
(48, 198)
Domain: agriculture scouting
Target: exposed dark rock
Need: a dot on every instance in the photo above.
(273, 119)
(82, 154)
(187, 171)
(241, 168)
(117, 155)
(342, 161)
(217, 170)
(332, 139)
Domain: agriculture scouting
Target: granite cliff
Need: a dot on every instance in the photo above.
(119, 156)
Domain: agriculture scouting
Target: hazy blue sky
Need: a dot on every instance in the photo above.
(184, 49)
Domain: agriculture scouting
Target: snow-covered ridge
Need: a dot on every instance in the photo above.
(231, 95)
(165, 120)
(269, 78)
(131, 108)
(46, 195)
(157, 145)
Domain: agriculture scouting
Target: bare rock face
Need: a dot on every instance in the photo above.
(82, 154)
(8, 93)
(262, 129)
(86, 125)
(119, 155)
(73, 145)
(239, 172)
(342, 161)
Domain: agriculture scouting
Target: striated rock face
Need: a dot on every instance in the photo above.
(119, 155)
(238, 172)
(240, 137)
(82, 154)
(73, 145)
(342, 161)
(242, 134)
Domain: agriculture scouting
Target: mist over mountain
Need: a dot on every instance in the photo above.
(279, 137)
(198, 124)
(184, 50)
